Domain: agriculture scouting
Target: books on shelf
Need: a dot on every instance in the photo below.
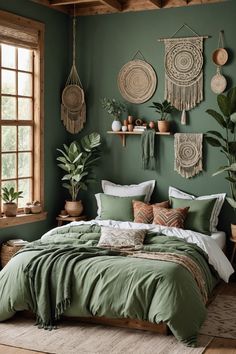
(139, 128)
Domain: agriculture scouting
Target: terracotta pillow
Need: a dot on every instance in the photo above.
(170, 217)
(143, 213)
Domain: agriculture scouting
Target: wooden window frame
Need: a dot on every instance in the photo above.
(27, 24)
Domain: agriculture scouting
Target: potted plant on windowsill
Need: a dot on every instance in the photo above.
(226, 143)
(115, 109)
(8, 196)
(78, 160)
(164, 108)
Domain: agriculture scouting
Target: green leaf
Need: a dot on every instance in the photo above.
(231, 202)
(220, 170)
(231, 179)
(213, 141)
(232, 98)
(231, 168)
(224, 104)
(219, 135)
(218, 117)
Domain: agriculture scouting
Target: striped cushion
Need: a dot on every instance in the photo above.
(170, 217)
(143, 213)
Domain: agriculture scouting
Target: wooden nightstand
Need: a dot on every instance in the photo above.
(234, 249)
(62, 220)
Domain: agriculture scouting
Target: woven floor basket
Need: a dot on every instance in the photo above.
(7, 252)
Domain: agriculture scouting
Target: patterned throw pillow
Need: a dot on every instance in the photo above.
(111, 237)
(170, 217)
(143, 213)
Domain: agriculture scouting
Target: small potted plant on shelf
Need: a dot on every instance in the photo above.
(8, 196)
(77, 161)
(226, 142)
(164, 108)
(115, 109)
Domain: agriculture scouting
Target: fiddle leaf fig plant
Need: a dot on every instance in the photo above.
(226, 141)
(77, 161)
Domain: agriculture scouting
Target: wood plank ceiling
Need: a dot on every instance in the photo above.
(91, 7)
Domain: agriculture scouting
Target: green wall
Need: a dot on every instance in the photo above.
(56, 71)
(107, 42)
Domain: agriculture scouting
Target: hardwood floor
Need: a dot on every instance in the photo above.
(217, 346)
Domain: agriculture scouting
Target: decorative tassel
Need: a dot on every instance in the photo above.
(183, 117)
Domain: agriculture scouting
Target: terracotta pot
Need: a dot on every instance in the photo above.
(163, 126)
(74, 208)
(152, 125)
(130, 119)
(130, 127)
(10, 209)
(233, 231)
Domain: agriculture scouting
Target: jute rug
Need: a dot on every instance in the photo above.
(74, 338)
(221, 318)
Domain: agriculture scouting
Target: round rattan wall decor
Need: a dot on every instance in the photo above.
(137, 81)
(73, 97)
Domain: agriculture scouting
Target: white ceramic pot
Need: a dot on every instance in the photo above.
(116, 125)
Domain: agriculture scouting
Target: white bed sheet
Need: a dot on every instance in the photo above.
(220, 238)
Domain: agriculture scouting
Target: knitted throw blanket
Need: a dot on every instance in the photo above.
(50, 272)
(147, 146)
(188, 154)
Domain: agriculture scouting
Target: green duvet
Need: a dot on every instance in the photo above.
(65, 273)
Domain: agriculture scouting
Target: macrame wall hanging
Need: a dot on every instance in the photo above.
(184, 71)
(73, 107)
(188, 154)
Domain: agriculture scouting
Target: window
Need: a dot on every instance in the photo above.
(21, 106)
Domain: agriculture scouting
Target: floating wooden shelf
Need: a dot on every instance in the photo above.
(123, 135)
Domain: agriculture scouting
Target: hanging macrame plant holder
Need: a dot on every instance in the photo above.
(184, 71)
(73, 107)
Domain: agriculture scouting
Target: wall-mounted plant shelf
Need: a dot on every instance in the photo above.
(123, 135)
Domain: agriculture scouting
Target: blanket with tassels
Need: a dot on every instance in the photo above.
(50, 277)
(148, 150)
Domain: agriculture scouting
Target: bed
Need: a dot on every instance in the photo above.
(131, 287)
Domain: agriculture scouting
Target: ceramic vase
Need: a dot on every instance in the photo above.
(116, 125)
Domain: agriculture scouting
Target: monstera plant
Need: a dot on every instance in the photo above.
(77, 161)
(226, 142)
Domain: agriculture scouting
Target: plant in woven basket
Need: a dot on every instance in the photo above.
(9, 195)
(226, 142)
(78, 160)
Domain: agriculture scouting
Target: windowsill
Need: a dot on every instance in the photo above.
(21, 219)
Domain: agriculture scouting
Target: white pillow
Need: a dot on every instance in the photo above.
(111, 237)
(176, 193)
(144, 188)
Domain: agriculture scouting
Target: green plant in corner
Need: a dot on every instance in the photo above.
(226, 142)
(164, 108)
(78, 160)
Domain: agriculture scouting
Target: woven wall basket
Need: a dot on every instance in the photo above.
(137, 81)
(7, 252)
(73, 97)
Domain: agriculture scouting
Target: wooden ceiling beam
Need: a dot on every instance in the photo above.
(48, 4)
(69, 2)
(114, 4)
(157, 3)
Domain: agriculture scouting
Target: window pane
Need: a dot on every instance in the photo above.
(8, 107)
(8, 56)
(25, 186)
(8, 138)
(24, 84)
(8, 82)
(8, 166)
(24, 108)
(24, 164)
(25, 59)
(24, 138)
